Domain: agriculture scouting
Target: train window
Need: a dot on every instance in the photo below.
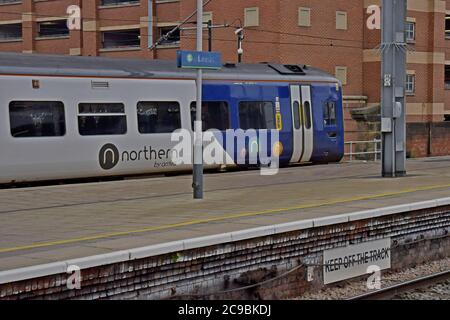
(296, 110)
(215, 115)
(101, 119)
(37, 119)
(256, 115)
(329, 113)
(158, 117)
(307, 111)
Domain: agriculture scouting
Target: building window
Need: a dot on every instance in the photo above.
(101, 119)
(341, 74)
(121, 38)
(48, 29)
(410, 31)
(329, 113)
(10, 1)
(118, 2)
(341, 20)
(251, 17)
(207, 16)
(9, 32)
(304, 17)
(173, 39)
(447, 77)
(37, 119)
(256, 115)
(215, 115)
(158, 117)
(447, 26)
(410, 86)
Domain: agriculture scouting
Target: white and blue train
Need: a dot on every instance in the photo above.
(68, 117)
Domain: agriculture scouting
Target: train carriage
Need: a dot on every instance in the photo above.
(68, 117)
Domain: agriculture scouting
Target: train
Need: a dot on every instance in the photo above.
(72, 117)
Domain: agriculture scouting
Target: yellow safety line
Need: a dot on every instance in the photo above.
(220, 218)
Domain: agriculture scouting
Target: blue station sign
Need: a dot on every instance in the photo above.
(199, 60)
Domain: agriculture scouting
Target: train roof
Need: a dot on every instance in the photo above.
(63, 65)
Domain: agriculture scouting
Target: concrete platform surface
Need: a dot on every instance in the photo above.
(41, 225)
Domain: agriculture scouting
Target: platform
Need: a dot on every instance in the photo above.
(41, 225)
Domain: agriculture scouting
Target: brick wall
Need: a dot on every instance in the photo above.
(219, 271)
(428, 139)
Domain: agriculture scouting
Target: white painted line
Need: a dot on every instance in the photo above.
(443, 202)
(366, 214)
(32, 272)
(176, 246)
(156, 250)
(423, 205)
(99, 260)
(294, 226)
(207, 241)
(326, 221)
(252, 233)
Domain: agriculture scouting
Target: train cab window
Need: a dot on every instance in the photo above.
(329, 113)
(215, 115)
(37, 119)
(256, 115)
(158, 117)
(101, 119)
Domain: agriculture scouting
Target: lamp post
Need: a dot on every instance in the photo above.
(197, 183)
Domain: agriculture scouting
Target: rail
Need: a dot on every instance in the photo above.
(376, 151)
(392, 291)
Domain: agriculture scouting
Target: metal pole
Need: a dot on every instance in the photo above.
(393, 126)
(150, 24)
(209, 35)
(198, 139)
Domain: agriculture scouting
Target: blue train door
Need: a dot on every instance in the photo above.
(302, 123)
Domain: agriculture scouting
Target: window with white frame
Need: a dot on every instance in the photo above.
(410, 86)
(410, 31)
(341, 20)
(251, 17)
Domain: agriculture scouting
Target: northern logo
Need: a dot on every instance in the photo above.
(108, 156)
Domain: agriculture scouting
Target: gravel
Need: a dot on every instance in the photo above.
(439, 291)
(352, 288)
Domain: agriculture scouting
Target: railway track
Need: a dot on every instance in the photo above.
(407, 286)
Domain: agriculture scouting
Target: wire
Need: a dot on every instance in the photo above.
(303, 35)
(258, 284)
(168, 34)
(285, 43)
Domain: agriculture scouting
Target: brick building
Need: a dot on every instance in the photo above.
(329, 34)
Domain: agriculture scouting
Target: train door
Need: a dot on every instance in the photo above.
(297, 125)
(307, 116)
